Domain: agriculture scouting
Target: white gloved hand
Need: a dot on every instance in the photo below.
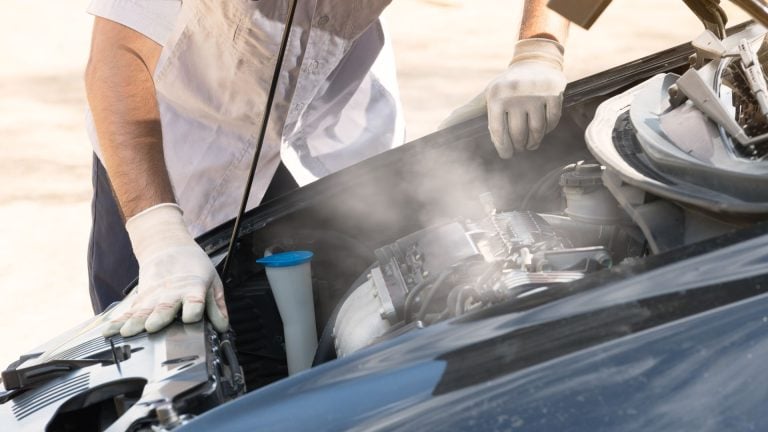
(525, 102)
(174, 273)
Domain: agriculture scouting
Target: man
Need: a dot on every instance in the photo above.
(176, 91)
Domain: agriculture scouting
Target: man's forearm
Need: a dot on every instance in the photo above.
(121, 95)
(540, 22)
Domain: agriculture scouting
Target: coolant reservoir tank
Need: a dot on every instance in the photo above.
(588, 200)
(290, 276)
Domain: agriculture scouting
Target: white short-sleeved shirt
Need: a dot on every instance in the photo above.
(336, 103)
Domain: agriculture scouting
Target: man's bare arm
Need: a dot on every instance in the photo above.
(540, 22)
(175, 275)
(121, 94)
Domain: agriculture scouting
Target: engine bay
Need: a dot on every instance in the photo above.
(445, 271)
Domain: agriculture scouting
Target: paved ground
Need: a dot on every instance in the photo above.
(447, 51)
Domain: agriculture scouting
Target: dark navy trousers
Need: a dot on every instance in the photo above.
(111, 263)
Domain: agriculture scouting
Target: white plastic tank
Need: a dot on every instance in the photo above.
(290, 277)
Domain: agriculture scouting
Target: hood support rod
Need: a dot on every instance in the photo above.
(260, 141)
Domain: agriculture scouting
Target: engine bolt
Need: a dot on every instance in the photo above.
(167, 415)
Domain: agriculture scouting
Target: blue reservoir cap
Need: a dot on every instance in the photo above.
(286, 259)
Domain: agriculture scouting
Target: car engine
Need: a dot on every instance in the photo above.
(448, 270)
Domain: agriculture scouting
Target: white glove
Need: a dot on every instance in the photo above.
(524, 102)
(174, 273)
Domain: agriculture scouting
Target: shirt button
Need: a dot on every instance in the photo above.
(298, 107)
(310, 66)
(323, 20)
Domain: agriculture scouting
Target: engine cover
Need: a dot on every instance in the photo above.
(83, 381)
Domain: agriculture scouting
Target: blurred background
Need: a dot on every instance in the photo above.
(447, 51)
